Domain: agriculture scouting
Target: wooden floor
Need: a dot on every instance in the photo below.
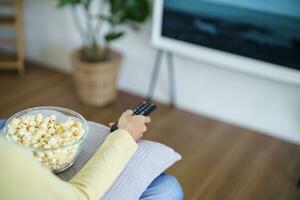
(220, 161)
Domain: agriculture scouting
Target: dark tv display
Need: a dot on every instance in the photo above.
(265, 30)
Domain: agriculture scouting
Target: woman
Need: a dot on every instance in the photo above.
(21, 177)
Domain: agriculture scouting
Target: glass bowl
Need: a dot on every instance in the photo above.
(60, 158)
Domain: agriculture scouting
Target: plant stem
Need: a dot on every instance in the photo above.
(99, 24)
(90, 35)
(77, 24)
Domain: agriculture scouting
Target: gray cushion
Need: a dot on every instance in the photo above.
(149, 161)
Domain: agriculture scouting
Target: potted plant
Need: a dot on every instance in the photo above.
(99, 23)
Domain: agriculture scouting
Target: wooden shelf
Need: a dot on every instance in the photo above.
(10, 60)
(8, 42)
(7, 20)
(9, 65)
(8, 56)
(7, 3)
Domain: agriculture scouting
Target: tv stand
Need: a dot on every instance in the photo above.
(155, 73)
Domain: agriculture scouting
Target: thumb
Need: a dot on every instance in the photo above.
(111, 124)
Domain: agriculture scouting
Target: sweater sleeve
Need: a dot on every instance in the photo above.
(24, 178)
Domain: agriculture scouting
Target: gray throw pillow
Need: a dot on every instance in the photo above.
(150, 160)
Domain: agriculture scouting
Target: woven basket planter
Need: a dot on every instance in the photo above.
(95, 83)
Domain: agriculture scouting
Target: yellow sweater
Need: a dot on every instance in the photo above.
(21, 177)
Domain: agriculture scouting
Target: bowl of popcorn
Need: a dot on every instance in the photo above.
(53, 134)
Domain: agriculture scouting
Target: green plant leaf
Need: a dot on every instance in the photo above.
(113, 36)
(137, 10)
(110, 19)
(116, 6)
(128, 12)
(62, 3)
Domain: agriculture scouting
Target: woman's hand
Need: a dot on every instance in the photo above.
(134, 124)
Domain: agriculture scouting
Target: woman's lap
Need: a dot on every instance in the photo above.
(164, 187)
(2, 123)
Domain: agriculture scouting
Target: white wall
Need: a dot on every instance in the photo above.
(263, 105)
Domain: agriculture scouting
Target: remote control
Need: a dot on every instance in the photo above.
(142, 108)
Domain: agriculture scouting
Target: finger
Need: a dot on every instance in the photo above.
(147, 120)
(140, 118)
(144, 129)
(111, 124)
(141, 135)
(128, 113)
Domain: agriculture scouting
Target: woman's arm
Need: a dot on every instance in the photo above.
(21, 177)
(105, 166)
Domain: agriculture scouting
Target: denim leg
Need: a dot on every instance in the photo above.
(2, 123)
(164, 187)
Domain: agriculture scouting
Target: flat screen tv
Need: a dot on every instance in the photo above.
(253, 36)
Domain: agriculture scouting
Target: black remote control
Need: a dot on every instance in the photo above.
(142, 108)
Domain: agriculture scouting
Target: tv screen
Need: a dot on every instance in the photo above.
(264, 30)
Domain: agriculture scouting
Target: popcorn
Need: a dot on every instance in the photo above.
(49, 134)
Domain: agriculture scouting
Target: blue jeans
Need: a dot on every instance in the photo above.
(164, 187)
(2, 123)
